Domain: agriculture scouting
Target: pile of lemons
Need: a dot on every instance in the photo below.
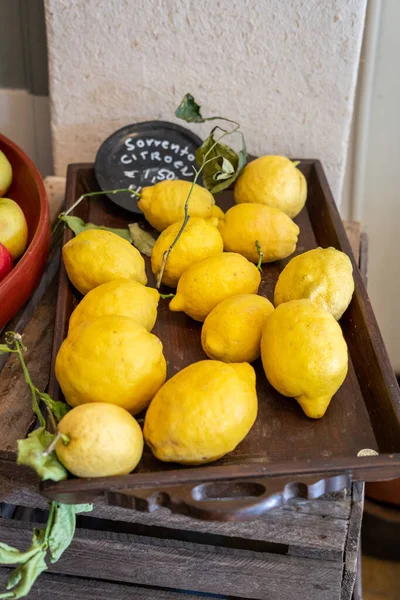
(111, 367)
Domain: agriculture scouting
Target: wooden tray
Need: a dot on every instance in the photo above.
(285, 454)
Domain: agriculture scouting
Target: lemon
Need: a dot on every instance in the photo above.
(199, 240)
(111, 359)
(104, 440)
(274, 181)
(232, 330)
(202, 413)
(304, 354)
(164, 203)
(119, 297)
(324, 276)
(206, 283)
(246, 224)
(218, 212)
(95, 256)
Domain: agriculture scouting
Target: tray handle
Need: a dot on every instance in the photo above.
(228, 500)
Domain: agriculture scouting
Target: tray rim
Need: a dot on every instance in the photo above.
(372, 468)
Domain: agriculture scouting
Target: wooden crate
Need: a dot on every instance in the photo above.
(306, 550)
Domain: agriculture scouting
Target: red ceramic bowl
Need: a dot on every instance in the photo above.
(28, 191)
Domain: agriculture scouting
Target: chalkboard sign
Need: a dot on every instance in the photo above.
(143, 154)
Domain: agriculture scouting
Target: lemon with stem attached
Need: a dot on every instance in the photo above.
(99, 440)
(164, 203)
(199, 239)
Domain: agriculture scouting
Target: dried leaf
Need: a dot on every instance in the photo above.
(218, 174)
(189, 110)
(59, 409)
(142, 240)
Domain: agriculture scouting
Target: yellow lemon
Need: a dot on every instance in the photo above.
(202, 413)
(111, 359)
(232, 330)
(164, 203)
(206, 283)
(199, 240)
(123, 297)
(104, 440)
(95, 256)
(218, 212)
(246, 225)
(324, 276)
(304, 354)
(13, 228)
(275, 181)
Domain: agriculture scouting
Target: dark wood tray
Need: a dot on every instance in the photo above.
(286, 454)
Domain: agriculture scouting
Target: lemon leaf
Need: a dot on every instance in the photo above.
(21, 580)
(63, 528)
(142, 240)
(78, 225)
(189, 110)
(59, 409)
(31, 453)
(222, 164)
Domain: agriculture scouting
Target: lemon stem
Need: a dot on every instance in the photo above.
(260, 255)
(295, 163)
(167, 296)
(88, 195)
(59, 436)
(15, 339)
(186, 217)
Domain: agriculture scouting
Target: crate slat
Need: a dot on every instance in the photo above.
(62, 587)
(189, 566)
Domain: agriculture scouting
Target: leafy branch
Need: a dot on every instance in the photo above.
(37, 452)
(219, 164)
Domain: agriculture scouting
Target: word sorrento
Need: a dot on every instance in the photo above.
(159, 151)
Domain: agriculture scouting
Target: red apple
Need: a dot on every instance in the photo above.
(6, 262)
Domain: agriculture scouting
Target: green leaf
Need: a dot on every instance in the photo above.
(12, 556)
(31, 453)
(22, 578)
(79, 508)
(221, 167)
(78, 225)
(142, 240)
(59, 409)
(63, 528)
(189, 110)
(14, 578)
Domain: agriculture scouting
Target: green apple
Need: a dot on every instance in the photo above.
(5, 173)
